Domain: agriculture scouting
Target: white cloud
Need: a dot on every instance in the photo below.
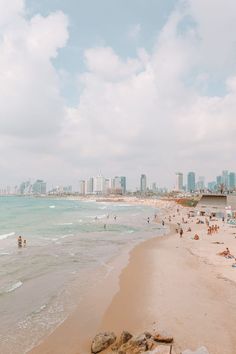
(30, 101)
(145, 114)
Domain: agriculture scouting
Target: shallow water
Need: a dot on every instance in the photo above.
(65, 238)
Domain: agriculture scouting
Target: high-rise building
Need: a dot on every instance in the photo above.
(225, 179)
(143, 184)
(82, 187)
(232, 181)
(99, 184)
(179, 181)
(123, 184)
(191, 184)
(89, 186)
(39, 187)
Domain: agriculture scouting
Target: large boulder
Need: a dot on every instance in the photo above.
(136, 345)
(102, 341)
(202, 350)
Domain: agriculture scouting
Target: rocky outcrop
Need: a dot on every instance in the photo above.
(102, 341)
(142, 343)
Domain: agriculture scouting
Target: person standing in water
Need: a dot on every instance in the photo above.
(19, 241)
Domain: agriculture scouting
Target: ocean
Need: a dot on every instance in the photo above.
(66, 239)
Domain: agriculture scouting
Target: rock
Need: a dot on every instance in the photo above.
(136, 345)
(102, 341)
(163, 339)
(202, 350)
(124, 338)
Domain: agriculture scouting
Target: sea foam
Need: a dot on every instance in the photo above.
(14, 287)
(4, 236)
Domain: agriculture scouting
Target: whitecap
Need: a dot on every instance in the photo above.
(14, 287)
(66, 223)
(52, 206)
(67, 235)
(4, 254)
(4, 236)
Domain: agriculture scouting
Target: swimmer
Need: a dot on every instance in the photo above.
(19, 242)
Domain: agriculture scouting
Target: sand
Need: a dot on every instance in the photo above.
(172, 285)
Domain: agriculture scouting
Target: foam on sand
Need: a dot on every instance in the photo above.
(14, 287)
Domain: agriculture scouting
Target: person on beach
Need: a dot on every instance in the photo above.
(226, 253)
(115, 217)
(24, 242)
(19, 241)
(148, 220)
(163, 223)
(196, 237)
(181, 232)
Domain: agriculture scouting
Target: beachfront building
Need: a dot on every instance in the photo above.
(39, 187)
(191, 184)
(99, 184)
(179, 185)
(89, 186)
(143, 184)
(82, 187)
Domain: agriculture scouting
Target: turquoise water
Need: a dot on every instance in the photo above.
(65, 239)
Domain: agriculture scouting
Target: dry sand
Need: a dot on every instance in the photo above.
(178, 286)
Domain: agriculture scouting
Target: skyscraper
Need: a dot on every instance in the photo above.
(82, 187)
(232, 181)
(143, 184)
(225, 179)
(39, 187)
(179, 181)
(191, 184)
(99, 184)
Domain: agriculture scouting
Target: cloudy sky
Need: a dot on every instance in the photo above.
(116, 87)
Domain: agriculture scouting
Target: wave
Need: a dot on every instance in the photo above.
(14, 287)
(52, 206)
(67, 235)
(4, 254)
(4, 236)
(66, 223)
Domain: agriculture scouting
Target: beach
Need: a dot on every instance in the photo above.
(172, 285)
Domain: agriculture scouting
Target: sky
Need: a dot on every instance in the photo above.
(118, 88)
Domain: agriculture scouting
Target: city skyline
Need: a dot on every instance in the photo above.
(153, 93)
(101, 184)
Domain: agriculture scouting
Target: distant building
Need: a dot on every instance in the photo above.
(39, 187)
(232, 181)
(212, 186)
(89, 186)
(123, 184)
(67, 189)
(191, 183)
(99, 184)
(225, 179)
(82, 187)
(179, 181)
(143, 184)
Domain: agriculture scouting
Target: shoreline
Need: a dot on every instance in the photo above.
(169, 285)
